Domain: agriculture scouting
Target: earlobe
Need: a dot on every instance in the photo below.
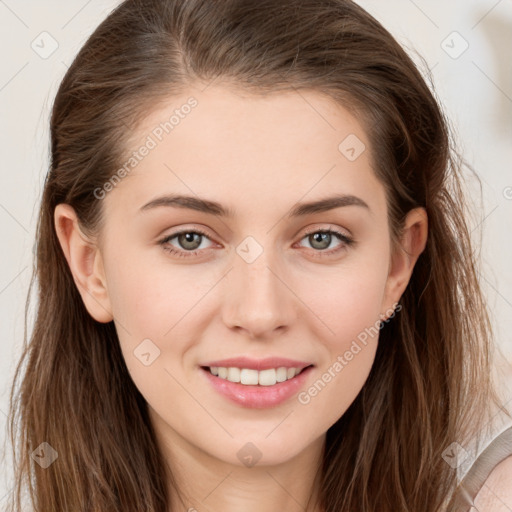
(404, 258)
(85, 263)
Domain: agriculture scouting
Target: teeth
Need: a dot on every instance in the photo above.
(248, 377)
(281, 374)
(254, 377)
(267, 377)
(234, 374)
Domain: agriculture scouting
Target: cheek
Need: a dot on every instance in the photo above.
(351, 308)
(147, 299)
(159, 309)
(350, 300)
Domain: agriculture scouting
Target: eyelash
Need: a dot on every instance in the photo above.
(347, 241)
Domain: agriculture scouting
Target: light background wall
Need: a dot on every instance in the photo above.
(474, 87)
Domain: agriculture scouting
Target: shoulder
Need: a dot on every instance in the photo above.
(496, 493)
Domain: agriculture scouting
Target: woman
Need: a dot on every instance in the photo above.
(256, 284)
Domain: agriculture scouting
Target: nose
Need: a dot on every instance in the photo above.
(258, 300)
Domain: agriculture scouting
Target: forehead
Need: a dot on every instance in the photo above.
(223, 141)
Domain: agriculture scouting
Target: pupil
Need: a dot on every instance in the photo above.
(188, 238)
(323, 238)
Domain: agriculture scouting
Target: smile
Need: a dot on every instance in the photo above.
(256, 389)
(247, 376)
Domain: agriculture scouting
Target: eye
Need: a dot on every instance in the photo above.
(321, 240)
(189, 242)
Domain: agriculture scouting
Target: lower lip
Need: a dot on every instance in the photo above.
(258, 397)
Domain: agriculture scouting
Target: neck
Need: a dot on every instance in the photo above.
(208, 484)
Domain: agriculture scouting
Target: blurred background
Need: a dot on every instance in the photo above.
(465, 44)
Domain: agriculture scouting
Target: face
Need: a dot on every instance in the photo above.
(264, 278)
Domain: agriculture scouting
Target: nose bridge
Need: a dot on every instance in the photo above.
(257, 299)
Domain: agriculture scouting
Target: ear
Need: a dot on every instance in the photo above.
(85, 262)
(404, 257)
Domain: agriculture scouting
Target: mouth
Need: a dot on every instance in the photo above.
(251, 377)
(257, 389)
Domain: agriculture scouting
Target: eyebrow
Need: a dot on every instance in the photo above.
(214, 208)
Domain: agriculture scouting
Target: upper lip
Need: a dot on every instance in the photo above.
(258, 364)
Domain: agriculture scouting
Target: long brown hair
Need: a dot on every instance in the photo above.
(430, 384)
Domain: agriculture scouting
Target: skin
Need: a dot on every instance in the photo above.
(496, 493)
(259, 156)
